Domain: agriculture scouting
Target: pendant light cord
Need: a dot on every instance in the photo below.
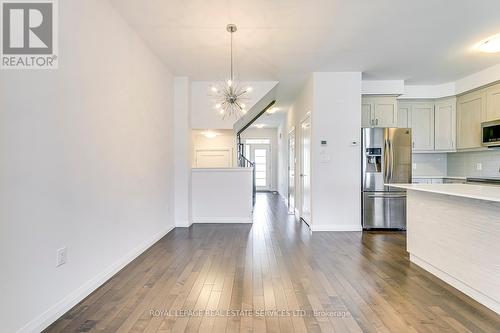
(231, 56)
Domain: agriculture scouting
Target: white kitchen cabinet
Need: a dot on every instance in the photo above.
(445, 124)
(471, 111)
(366, 113)
(422, 125)
(493, 103)
(404, 115)
(379, 111)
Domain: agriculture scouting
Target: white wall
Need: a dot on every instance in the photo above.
(222, 195)
(272, 135)
(225, 139)
(182, 152)
(86, 162)
(203, 113)
(471, 82)
(429, 165)
(464, 164)
(335, 185)
(282, 169)
(298, 110)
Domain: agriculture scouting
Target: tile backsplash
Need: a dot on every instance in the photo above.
(429, 165)
(475, 164)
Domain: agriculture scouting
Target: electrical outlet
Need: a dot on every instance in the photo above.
(479, 166)
(62, 256)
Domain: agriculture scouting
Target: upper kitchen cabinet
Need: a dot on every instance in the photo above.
(493, 103)
(366, 113)
(404, 115)
(379, 111)
(445, 124)
(422, 125)
(471, 111)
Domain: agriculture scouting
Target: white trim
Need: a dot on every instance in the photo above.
(336, 227)
(223, 220)
(57, 310)
(183, 224)
(291, 134)
(469, 291)
(471, 82)
(306, 117)
(222, 169)
(382, 87)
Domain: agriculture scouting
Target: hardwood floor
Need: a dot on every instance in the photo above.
(328, 282)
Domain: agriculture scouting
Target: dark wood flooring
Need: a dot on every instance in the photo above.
(209, 278)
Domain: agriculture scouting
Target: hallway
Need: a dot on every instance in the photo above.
(326, 282)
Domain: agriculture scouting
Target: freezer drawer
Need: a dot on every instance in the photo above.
(386, 210)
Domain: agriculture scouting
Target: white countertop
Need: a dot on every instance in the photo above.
(439, 177)
(488, 193)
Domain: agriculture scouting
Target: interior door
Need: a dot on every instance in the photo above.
(291, 172)
(213, 158)
(305, 170)
(260, 154)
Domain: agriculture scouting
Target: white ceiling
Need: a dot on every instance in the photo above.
(269, 120)
(423, 42)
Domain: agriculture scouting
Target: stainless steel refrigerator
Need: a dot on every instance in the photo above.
(386, 160)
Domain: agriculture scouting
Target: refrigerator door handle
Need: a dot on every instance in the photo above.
(391, 152)
(386, 161)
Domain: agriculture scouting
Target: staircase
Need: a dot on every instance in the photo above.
(246, 121)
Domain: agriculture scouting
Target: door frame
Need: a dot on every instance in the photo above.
(269, 170)
(307, 117)
(291, 135)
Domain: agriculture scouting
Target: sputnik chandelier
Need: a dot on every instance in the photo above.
(229, 96)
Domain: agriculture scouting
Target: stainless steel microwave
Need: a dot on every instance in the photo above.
(490, 132)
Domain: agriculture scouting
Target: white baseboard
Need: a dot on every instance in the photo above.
(183, 224)
(56, 311)
(467, 290)
(333, 227)
(223, 220)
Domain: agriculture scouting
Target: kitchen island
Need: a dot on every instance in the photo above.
(453, 232)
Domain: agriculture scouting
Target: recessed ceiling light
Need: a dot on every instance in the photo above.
(259, 125)
(209, 134)
(490, 45)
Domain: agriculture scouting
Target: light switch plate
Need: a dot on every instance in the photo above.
(479, 166)
(62, 256)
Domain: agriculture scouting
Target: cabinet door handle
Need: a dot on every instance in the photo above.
(377, 122)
